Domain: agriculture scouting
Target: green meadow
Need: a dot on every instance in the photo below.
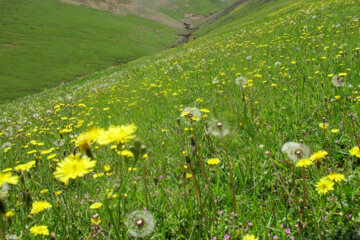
(250, 132)
(45, 42)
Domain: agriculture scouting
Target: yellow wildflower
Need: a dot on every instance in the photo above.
(96, 205)
(337, 177)
(40, 230)
(355, 151)
(73, 167)
(25, 166)
(304, 163)
(7, 178)
(117, 134)
(213, 161)
(318, 155)
(324, 125)
(40, 206)
(324, 185)
(249, 237)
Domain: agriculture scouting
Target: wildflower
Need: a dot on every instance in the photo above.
(188, 175)
(73, 167)
(40, 230)
(4, 191)
(84, 140)
(191, 115)
(7, 178)
(107, 168)
(213, 161)
(226, 236)
(241, 81)
(140, 223)
(335, 130)
(249, 237)
(117, 134)
(95, 219)
(337, 177)
(218, 129)
(9, 214)
(40, 206)
(6, 145)
(318, 155)
(304, 163)
(96, 205)
(204, 110)
(324, 185)
(126, 153)
(324, 125)
(355, 151)
(26, 166)
(296, 151)
(337, 81)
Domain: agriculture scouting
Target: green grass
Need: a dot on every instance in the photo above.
(178, 8)
(43, 43)
(289, 59)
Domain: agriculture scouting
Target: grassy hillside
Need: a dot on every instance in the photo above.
(43, 43)
(248, 133)
(178, 8)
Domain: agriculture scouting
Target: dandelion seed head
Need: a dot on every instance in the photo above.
(296, 151)
(140, 223)
(191, 115)
(337, 81)
(217, 128)
(241, 81)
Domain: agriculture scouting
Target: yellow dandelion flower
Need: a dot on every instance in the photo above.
(337, 177)
(84, 140)
(96, 219)
(9, 214)
(8, 178)
(335, 130)
(97, 175)
(318, 155)
(213, 161)
(355, 151)
(117, 134)
(324, 185)
(304, 163)
(188, 175)
(40, 230)
(44, 191)
(204, 110)
(126, 153)
(73, 167)
(107, 168)
(324, 125)
(40, 206)
(249, 237)
(25, 166)
(96, 205)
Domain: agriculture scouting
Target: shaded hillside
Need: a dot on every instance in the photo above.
(45, 42)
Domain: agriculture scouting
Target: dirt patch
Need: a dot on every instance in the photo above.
(119, 7)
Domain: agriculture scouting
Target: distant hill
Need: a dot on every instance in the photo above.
(45, 42)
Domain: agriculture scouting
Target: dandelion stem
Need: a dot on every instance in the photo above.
(146, 189)
(309, 202)
(286, 191)
(231, 173)
(354, 131)
(204, 173)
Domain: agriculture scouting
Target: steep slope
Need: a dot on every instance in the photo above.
(46, 42)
